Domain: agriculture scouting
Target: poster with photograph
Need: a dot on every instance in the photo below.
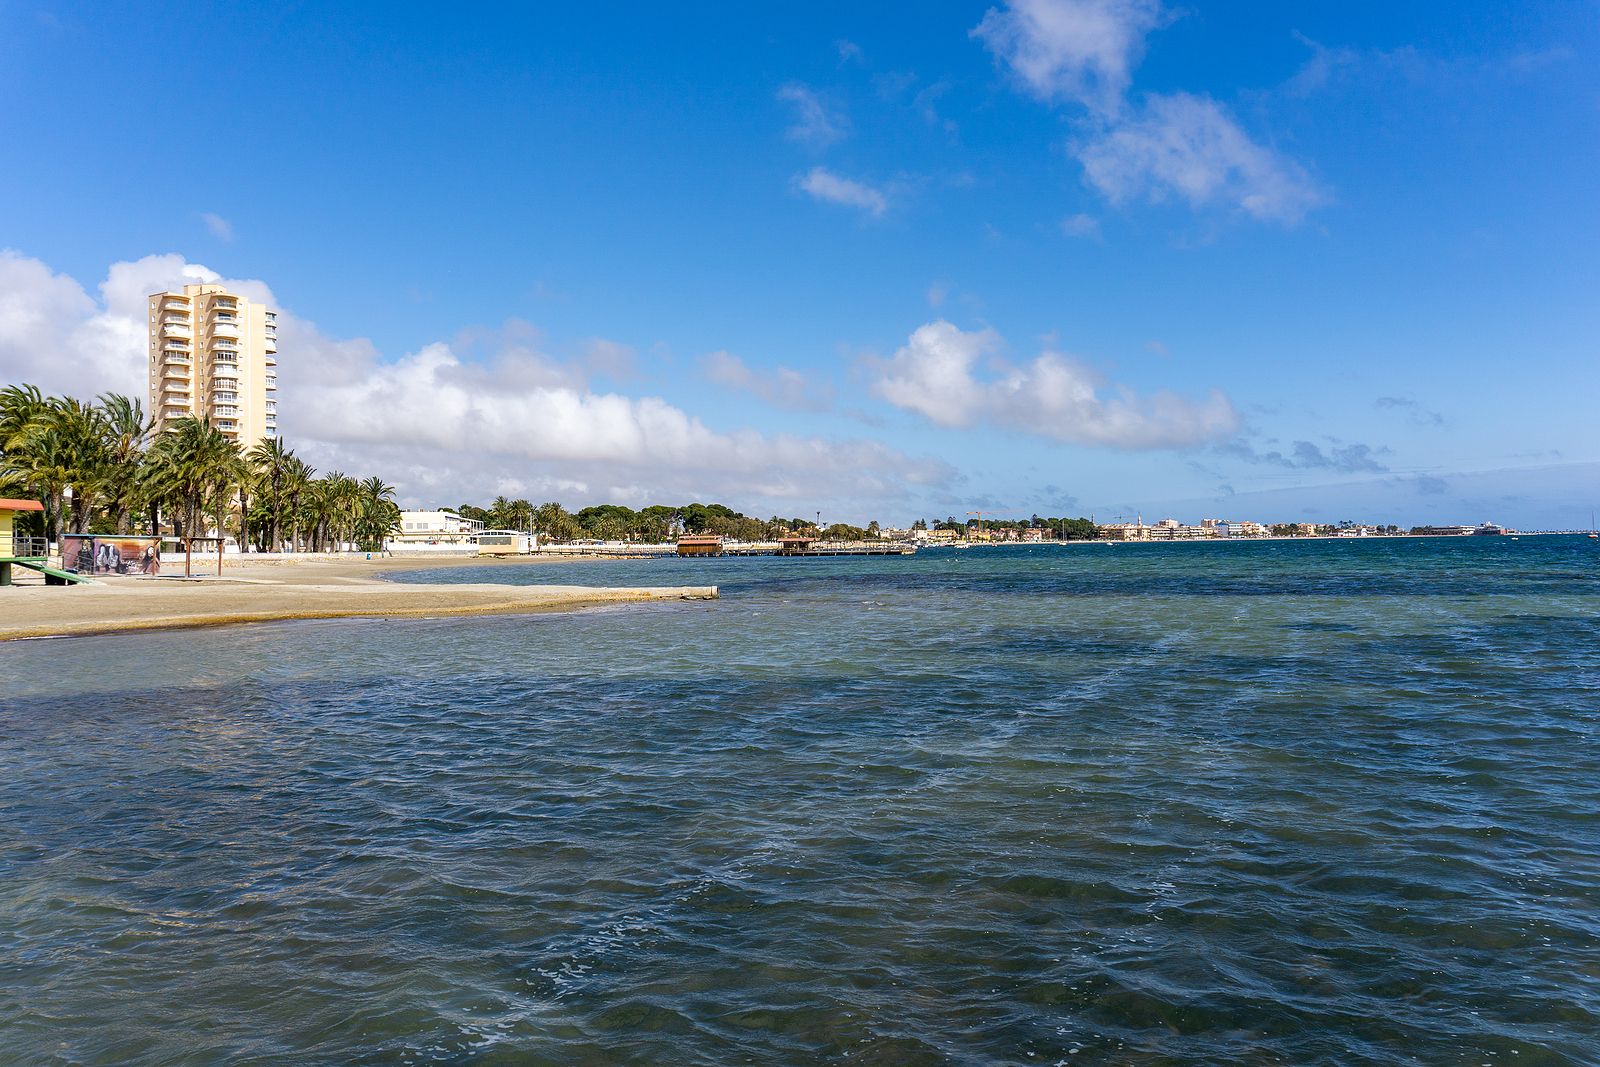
(111, 554)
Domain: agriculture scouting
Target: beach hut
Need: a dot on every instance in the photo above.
(699, 545)
(22, 549)
(795, 545)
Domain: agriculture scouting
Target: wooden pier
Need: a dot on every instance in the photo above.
(702, 546)
(710, 545)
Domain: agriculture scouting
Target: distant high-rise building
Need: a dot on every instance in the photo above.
(213, 355)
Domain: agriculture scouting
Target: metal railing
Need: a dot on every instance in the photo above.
(21, 546)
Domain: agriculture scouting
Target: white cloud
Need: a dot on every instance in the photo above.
(1169, 145)
(1072, 50)
(610, 358)
(1349, 458)
(444, 426)
(220, 227)
(781, 386)
(815, 123)
(1080, 225)
(1052, 396)
(849, 52)
(823, 184)
(1190, 147)
(55, 335)
(1414, 411)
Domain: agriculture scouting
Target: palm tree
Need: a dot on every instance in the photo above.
(48, 445)
(193, 466)
(297, 476)
(127, 431)
(378, 516)
(271, 458)
(554, 522)
(45, 465)
(20, 407)
(332, 505)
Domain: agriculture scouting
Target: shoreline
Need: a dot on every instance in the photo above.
(275, 591)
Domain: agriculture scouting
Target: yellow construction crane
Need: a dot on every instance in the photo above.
(979, 514)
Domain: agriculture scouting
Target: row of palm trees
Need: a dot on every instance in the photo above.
(100, 467)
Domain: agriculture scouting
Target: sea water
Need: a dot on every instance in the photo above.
(1328, 802)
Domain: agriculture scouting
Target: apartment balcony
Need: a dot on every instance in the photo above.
(169, 361)
(176, 328)
(179, 348)
(271, 345)
(272, 385)
(230, 359)
(181, 306)
(225, 398)
(225, 329)
(224, 411)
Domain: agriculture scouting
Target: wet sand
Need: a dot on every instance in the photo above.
(305, 588)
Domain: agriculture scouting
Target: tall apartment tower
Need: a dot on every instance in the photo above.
(213, 355)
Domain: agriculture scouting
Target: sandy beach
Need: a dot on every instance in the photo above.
(303, 588)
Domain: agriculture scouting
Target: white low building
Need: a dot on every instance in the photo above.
(435, 527)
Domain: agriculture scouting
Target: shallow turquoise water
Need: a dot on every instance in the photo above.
(1316, 803)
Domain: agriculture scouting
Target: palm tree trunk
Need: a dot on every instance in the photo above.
(188, 541)
(244, 519)
(55, 506)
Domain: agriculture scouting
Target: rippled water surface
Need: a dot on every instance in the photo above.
(1314, 803)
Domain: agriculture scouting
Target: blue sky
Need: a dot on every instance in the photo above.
(1087, 256)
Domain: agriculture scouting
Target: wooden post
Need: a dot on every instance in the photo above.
(188, 557)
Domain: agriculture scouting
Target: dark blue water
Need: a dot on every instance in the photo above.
(1305, 803)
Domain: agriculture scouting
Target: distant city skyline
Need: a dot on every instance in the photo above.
(1065, 257)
